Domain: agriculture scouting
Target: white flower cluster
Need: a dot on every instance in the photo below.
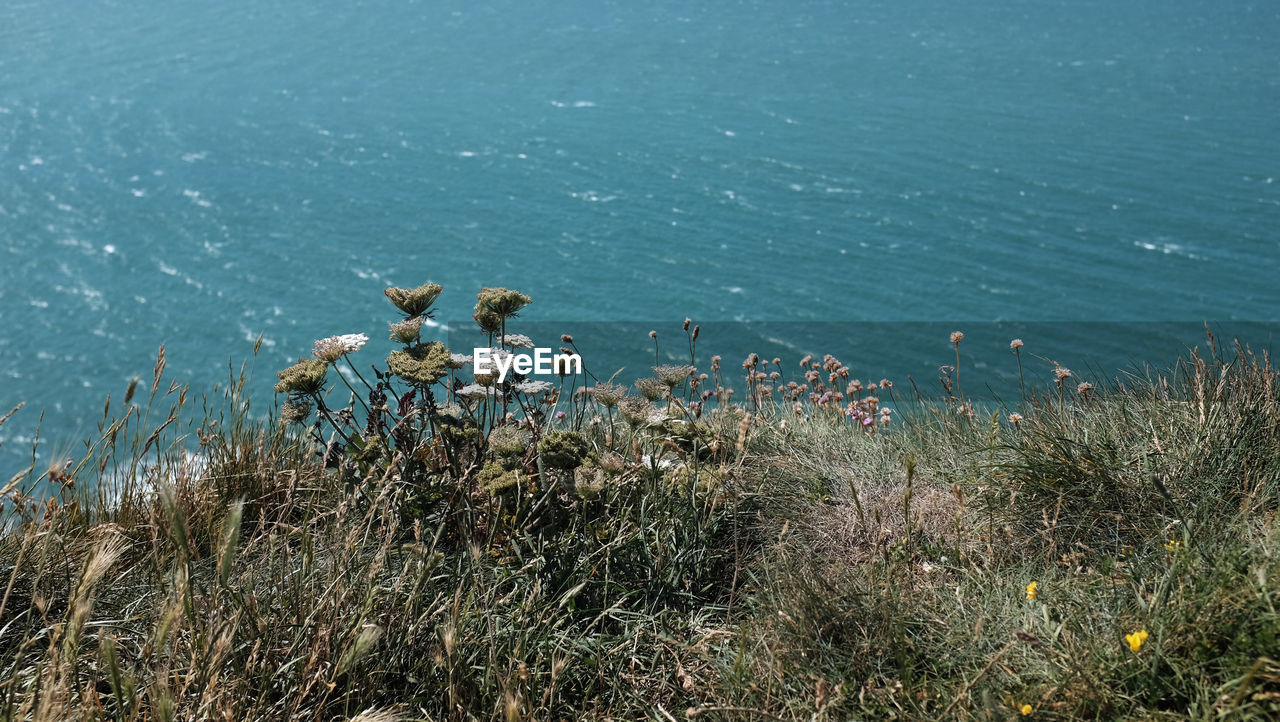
(534, 387)
(332, 348)
(517, 340)
(474, 391)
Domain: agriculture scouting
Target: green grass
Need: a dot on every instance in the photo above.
(754, 563)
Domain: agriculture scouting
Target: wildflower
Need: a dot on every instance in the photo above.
(1015, 418)
(653, 334)
(650, 388)
(1031, 590)
(474, 391)
(517, 340)
(672, 376)
(1061, 374)
(1015, 344)
(1025, 710)
(635, 410)
(305, 377)
(422, 365)
(295, 412)
(956, 337)
(534, 387)
(1084, 388)
(563, 449)
(502, 301)
(566, 338)
(450, 409)
(459, 361)
(608, 395)
(559, 415)
(508, 441)
(407, 331)
(416, 301)
(687, 321)
(588, 481)
(1136, 639)
(488, 321)
(1173, 545)
(612, 463)
(331, 349)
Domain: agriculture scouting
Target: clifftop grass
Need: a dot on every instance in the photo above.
(1096, 552)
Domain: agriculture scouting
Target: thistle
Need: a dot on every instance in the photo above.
(414, 302)
(423, 365)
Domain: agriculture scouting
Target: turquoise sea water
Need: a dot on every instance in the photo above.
(200, 174)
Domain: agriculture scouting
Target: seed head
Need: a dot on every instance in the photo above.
(650, 388)
(501, 301)
(488, 321)
(407, 331)
(305, 377)
(414, 301)
(635, 410)
(295, 412)
(672, 375)
(424, 364)
(608, 395)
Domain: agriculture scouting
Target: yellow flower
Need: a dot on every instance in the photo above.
(1031, 590)
(1136, 639)
(1173, 544)
(1025, 710)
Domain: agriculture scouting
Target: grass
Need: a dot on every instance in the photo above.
(771, 559)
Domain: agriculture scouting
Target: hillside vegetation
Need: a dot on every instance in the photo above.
(420, 544)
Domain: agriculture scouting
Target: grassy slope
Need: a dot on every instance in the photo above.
(806, 570)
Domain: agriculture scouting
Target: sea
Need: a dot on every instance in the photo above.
(1100, 178)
